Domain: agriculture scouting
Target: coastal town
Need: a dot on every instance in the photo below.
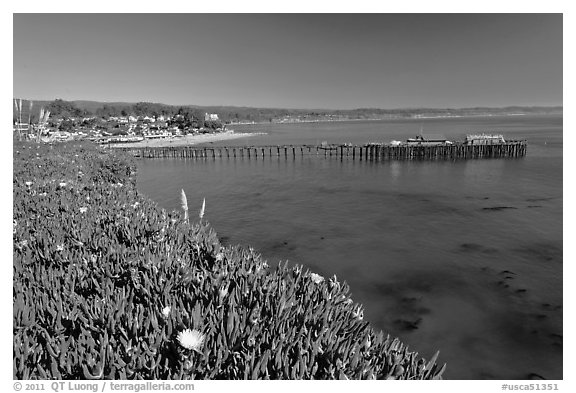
(120, 129)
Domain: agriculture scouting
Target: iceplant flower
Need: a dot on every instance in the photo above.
(62, 184)
(83, 209)
(60, 247)
(316, 278)
(191, 339)
(28, 183)
(166, 311)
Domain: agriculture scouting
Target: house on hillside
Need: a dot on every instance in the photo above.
(211, 117)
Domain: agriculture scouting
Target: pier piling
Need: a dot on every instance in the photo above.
(368, 152)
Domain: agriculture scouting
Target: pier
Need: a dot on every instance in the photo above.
(368, 152)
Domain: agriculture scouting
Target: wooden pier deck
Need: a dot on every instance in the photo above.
(370, 152)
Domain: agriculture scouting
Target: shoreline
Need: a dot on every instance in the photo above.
(187, 140)
(392, 118)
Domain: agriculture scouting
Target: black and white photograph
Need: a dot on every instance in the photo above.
(287, 196)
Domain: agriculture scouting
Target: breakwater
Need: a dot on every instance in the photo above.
(370, 151)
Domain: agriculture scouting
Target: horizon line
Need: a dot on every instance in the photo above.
(294, 108)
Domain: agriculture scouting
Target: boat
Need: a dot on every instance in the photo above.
(123, 139)
(428, 140)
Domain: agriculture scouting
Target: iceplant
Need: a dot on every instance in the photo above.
(358, 313)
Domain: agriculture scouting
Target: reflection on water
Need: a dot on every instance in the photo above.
(464, 257)
(395, 169)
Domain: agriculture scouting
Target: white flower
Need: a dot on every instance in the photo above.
(316, 278)
(62, 184)
(83, 209)
(191, 339)
(219, 257)
(60, 247)
(119, 184)
(28, 183)
(166, 311)
(135, 205)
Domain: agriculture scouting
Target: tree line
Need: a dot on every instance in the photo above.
(194, 115)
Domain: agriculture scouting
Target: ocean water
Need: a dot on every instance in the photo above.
(463, 257)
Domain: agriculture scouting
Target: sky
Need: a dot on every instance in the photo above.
(322, 61)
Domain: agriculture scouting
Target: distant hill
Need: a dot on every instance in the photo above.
(237, 114)
(93, 106)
